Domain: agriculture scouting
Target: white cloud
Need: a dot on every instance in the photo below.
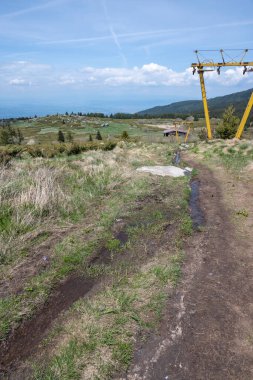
(67, 80)
(19, 82)
(227, 77)
(153, 67)
(25, 67)
(151, 74)
(23, 73)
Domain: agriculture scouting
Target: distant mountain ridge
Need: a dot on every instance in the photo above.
(195, 107)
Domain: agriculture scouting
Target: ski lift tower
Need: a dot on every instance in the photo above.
(204, 65)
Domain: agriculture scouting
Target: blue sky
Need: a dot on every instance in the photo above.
(116, 55)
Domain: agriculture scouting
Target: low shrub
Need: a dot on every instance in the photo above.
(52, 150)
(202, 135)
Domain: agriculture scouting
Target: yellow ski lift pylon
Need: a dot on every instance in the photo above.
(204, 65)
(188, 132)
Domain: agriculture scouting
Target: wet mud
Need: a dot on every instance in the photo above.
(20, 344)
(197, 215)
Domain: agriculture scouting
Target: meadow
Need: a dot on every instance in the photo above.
(91, 249)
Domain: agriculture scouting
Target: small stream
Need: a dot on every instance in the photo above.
(196, 212)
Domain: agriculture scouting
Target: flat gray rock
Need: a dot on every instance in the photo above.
(172, 171)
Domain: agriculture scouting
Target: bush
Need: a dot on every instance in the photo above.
(51, 150)
(202, 135)
(7, 153)
(9, 135)
(109, 146)
(125, 135)
(69, 137)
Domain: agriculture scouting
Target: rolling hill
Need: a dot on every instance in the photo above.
(195, 107)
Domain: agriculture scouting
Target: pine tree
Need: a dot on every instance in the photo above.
(98, 136)
(90, 138)
(228, 126)
(61, 137)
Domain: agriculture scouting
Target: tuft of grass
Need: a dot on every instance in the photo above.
(156, 305)
(65, 365)
(186, 225)
(6, 221)
(113, 245)
(162, 273)
(123, 354)
(195, 149)
(175, 268)
(244, 146)
(231, 150)
(242, 212)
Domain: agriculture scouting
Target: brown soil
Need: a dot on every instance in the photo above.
(206, 332)
(22, 342)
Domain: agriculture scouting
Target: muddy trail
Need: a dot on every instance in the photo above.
(206, 331)
(24, 341)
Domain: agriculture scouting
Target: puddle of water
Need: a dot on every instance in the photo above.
(122, 236)
(176, 159)
(197, 214)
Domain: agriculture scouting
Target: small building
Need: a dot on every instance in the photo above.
(173, 131)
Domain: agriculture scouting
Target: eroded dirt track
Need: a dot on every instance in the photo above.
(207, 327)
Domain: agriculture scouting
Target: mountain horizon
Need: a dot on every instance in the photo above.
(216, 105)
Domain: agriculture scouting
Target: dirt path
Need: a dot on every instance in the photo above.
(207, 329)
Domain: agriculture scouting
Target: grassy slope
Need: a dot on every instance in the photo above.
(234, 155)
(84, 196)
